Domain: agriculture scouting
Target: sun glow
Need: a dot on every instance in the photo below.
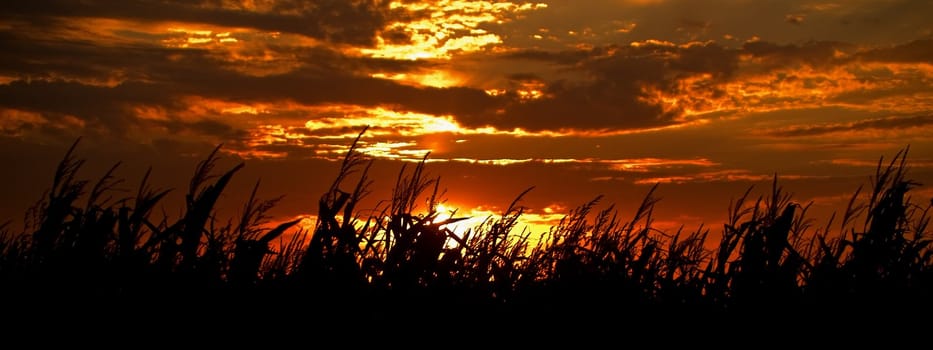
(436, 78)
(447, 211)
(472, 220)
(444, 212)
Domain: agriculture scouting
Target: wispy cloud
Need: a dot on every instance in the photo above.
(914, 163)
(861, 125)
(351, 22)
(727, 175)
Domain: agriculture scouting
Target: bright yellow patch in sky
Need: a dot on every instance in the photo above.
(434, 78)
(443, 28)
(532, 222)
(383, 120)
(242, 110)
(185, 37)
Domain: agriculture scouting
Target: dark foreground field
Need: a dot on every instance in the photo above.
(85, 253)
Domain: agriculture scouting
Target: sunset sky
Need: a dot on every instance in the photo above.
(577, 98)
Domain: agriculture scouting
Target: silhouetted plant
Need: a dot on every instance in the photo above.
(403, 258)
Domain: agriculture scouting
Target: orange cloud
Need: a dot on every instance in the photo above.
(15, 122)
(865, 125)
(914, 163)
(728, 175)
(440, 28)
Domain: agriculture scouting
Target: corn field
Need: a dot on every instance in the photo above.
(82, 245)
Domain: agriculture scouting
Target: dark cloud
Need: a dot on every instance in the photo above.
(102, 84)
(869, 124)
(27, 58)
(104, 106)
(693, 24)
(707, 58)
(320, 132)
(524, 77)
(900, 17)
(312, 87)
(110, 112)
(693, 28)
(620, 80)
(860, 22)
(566, 57)
(49, 58)
(903, 91)
(917, 51)
(812, 53)
(613, 96)
(603, 105)
(396, 36)
(352, 22)
(210, 127)
(113, 107)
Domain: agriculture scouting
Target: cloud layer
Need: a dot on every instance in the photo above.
(616, 92)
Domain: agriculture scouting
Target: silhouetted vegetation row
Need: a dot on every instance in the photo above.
(80, 244)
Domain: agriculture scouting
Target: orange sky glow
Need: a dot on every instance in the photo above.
(578, 99)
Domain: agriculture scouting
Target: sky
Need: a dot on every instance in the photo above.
(575, 98)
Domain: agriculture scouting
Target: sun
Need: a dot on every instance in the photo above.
(444, 212)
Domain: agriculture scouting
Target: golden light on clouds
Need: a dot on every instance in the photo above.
(530, 90)
(653, 42)
(444, 27)
(386, 121)
(15, 122)
(434, 78)
(343, 123)
(198, 105)
(198, 37)
(244, 50)
(646, 164)
(802, 86)
(189, 37)
(496, 92)
(607, 95)
(531, 221)
(406, 151)
(728, 175)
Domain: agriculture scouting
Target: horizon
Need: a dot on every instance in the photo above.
(576, 101)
